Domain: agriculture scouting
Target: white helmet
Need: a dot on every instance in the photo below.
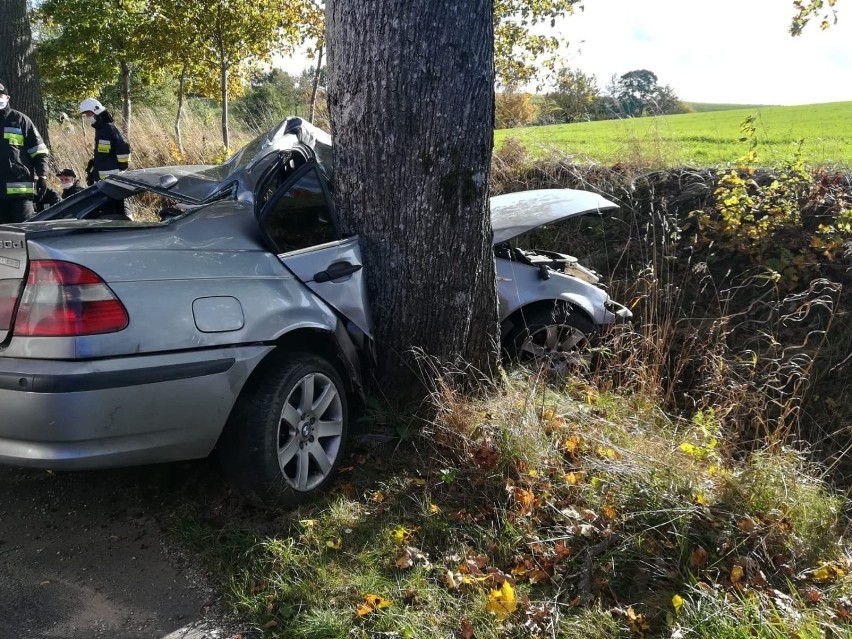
(90, 104)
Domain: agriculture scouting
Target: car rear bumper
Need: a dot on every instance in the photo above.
(70, 415)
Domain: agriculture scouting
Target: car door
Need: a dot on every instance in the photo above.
(298, 221)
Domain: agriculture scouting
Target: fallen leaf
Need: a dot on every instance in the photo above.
(736, 574)
(677, 602)
(466, 629)
(334, 544)
(502, 603)
(698, 557)
(573, 479)
(746, 524)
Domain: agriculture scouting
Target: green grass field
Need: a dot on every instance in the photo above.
(700, 139)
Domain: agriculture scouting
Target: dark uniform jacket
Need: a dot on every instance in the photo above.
(112, 150)
(46, 199)
(72, 190)
(23, 155)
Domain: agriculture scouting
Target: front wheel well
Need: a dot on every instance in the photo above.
(517, 317)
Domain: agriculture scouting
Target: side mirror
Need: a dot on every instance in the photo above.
(167, 181)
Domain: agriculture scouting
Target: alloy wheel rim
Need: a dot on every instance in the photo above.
(310, 432)
(556, 347)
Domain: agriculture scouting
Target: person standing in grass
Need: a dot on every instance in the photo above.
(23, 162)
(112, 150)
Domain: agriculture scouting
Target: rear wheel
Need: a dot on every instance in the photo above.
(557, 339)
(286, 435)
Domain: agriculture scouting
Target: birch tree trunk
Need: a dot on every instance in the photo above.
(126, 105)
(315, 86)
(412, 117)
(179, 114)
(18, 64)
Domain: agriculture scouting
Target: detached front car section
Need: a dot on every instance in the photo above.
(234, 319)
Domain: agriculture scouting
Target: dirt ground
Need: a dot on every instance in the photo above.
(82, 555)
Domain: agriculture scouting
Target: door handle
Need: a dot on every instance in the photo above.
(336, 271)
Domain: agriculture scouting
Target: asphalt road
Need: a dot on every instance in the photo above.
(82, 556)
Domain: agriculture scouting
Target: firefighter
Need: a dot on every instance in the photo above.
(23, 162)
(112, 150)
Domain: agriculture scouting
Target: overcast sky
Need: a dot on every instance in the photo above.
(735, 51)
(726, 51)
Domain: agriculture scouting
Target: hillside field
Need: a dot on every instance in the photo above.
(700, 139)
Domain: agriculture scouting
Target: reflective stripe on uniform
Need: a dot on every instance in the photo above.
(40, 149)
(14, 135)
(123, 157)
(104, 146)
(103, 174)
(20, 188)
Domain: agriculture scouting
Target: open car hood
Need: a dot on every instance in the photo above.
(514, 214)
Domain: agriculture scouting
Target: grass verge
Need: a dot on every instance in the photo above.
(535, 511)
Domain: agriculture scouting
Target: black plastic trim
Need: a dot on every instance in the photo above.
(81, 382)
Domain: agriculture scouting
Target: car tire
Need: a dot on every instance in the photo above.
(285, 437)
(556, 339)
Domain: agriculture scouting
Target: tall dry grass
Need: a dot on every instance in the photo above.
(152, 140)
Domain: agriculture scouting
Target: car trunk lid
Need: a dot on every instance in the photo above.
(13, 267)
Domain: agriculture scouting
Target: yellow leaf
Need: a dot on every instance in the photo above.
(502, 602)
(572, 479)
(419, 482)
(677, 602)
(572, 444)
(371, 603)
(400, 535)
(433, 508)
(334, 543)
(378, 497)
(700, 499)
(736, 574)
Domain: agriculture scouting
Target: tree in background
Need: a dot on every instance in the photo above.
(520, 52)
(513, 108)
(85, 47)
(637, 93)
(807, 10)
(412, 116)
(272, 96)
(18, 63)
(574, 98)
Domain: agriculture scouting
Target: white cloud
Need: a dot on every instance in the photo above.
(717, 51)
(736, 51)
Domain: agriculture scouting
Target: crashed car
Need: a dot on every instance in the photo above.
(230, 313)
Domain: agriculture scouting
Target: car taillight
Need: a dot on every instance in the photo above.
(63, 299)
(9, 290)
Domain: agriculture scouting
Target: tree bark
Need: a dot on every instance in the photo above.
(126, 106)
(18, 65)
(412, 117)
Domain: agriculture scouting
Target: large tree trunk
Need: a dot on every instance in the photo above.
(126, 106)
(412, 117)
(18, 64)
